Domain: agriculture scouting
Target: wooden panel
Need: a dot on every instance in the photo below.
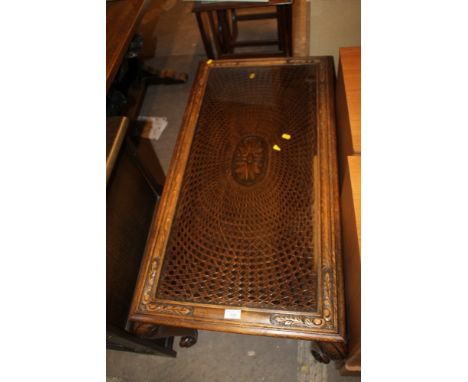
(348, 104)
(351, 230)
(150, 162)
(130, 206)
(351, 191)
(350, 59)
(122, 18)
(243, 225)
(116, 131)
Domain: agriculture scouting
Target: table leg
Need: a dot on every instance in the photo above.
(189, 340)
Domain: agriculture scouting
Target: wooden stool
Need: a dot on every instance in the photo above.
(222, 29)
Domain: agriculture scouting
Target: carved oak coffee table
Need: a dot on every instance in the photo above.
(246, 238)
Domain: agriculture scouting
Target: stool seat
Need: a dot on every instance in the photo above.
(214, 5)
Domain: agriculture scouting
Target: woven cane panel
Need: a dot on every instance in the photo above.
(243, 230)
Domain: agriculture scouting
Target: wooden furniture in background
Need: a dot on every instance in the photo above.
(130, 84)
(247, 234)
(131, 201)
(127, 77)
(219, 26)
(351, 231)
(134, 179)
(122, 18)
(348, 105)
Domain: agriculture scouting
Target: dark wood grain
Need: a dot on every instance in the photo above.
(122, 18)
(278, 257)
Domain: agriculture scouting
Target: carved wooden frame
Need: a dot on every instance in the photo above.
(328, 322)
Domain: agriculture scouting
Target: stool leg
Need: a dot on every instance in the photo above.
(279, 28)
(225, 31)
(215, 32)
(204, 36)
(235, 29)
(289, 50)
(282, 28)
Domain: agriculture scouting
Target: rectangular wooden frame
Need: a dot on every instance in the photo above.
(328, 323)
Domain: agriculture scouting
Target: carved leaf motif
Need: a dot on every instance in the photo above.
(150, 282)
(170, 309)
(293, 320)
(161, 308)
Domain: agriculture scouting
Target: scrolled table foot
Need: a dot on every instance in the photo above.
(323, 352)
(320, 357)
(189, 340)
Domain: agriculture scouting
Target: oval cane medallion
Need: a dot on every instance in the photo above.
(250, 160)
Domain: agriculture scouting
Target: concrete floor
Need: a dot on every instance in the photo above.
(217, 356)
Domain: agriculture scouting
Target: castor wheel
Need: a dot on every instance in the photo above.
(187, 341)
(322, 358)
